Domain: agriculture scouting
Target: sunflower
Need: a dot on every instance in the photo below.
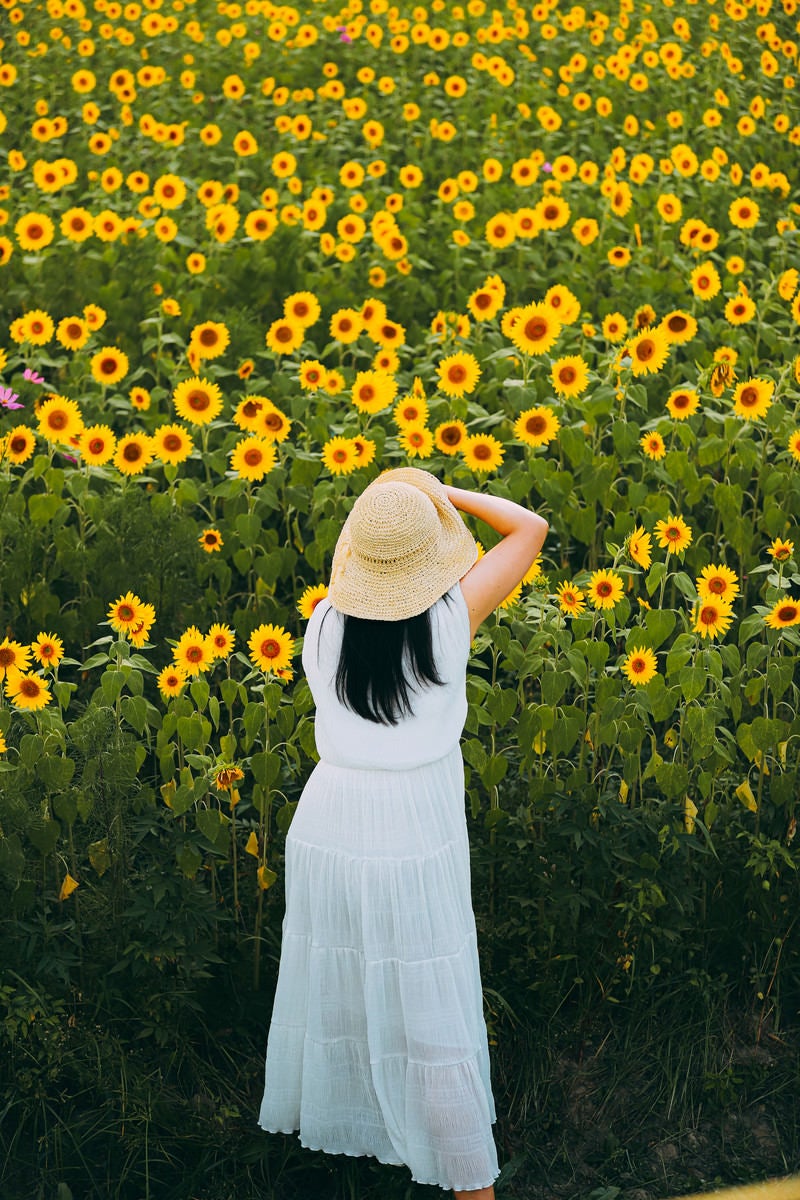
(346, 325)
(411, 410)
(712, 617)
(20, 443)
(752, 398)
(139, 633)
(500, 230)
(14, 658)
(482, 452)
(77, 224)
(536, 329)
(564, 303)
(284, 336)
(648, 351)
(222, 640)
(458, 374)
(615, 327)
(97, 444)
(449, 436)
(674, 535)
(134, 452)
(570, 375)
(73, 333)
(28, 692)
(209, 339)
(311, 598)
(302, 307)
(640, 665)
(781, 550)
(60, 419)
(605, 589)
(373, 391)
(678, 326)
(485, 303)
(417, 441)
(171, 681)
(109, 366)
(34, 231)
(48, 650)
(193, 653)
(172, 444)
(536, 426)
(125, 613)
(786, 612)
(639, 547)
(705, 281)
(743, 213)
(197, 400)
(271, 647)
(554, 213)
(339, 456)
(311, 375)
(739, 310)
(717, 583)
(211, 541)
(571, 599)
(271, 423)
(253, 458)
(682, 402)
(653, 445)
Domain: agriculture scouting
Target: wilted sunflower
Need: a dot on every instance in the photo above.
(482, 452)
(536, 426)
(271, 647)
(311, 598)
(752, 398)
(673, 534)
(458, 374)
(640, 665)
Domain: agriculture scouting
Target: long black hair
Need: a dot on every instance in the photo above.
(379, 664)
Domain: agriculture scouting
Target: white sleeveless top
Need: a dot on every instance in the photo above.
(439, 711)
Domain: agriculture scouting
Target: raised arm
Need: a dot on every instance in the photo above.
(492, 577)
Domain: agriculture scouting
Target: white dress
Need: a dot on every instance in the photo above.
(377, 1043)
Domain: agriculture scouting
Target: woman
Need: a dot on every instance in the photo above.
(377, 1043)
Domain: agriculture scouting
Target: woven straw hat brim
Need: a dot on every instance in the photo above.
(365, 585)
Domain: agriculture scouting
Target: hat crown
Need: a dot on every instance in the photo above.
(392, 522)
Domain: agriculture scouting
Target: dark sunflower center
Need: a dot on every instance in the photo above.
(270, 648)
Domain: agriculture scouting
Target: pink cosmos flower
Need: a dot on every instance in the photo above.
(8, 399)
(31, 376)
(344, 36)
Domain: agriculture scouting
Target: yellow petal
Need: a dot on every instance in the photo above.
(168, 792)
(67, 887)
(623, 792)
(252, 845)
(689, 814)
(266, 878)
(745, 793)
(539, 742)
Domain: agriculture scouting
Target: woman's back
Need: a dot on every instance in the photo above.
(439, 711)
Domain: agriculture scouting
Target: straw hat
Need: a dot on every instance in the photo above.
(401, 548)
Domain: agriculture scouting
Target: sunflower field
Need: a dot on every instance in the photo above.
(251, 255)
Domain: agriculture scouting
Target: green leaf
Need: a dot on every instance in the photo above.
(55, 771)
(200, 692)
(659, 624)
(45, 836)
(654, 576)
(191, 733)
(692, 682)
(266, 767)
(189, 859)
(43, 508)
(672, 778)
(134, 710)
(494, 770)
(214, 826)
(284, 815)
(99, 855)
(766, 733)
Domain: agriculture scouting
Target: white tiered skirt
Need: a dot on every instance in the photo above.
(377, 1043)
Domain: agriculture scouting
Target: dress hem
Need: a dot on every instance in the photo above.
(387, 1162)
